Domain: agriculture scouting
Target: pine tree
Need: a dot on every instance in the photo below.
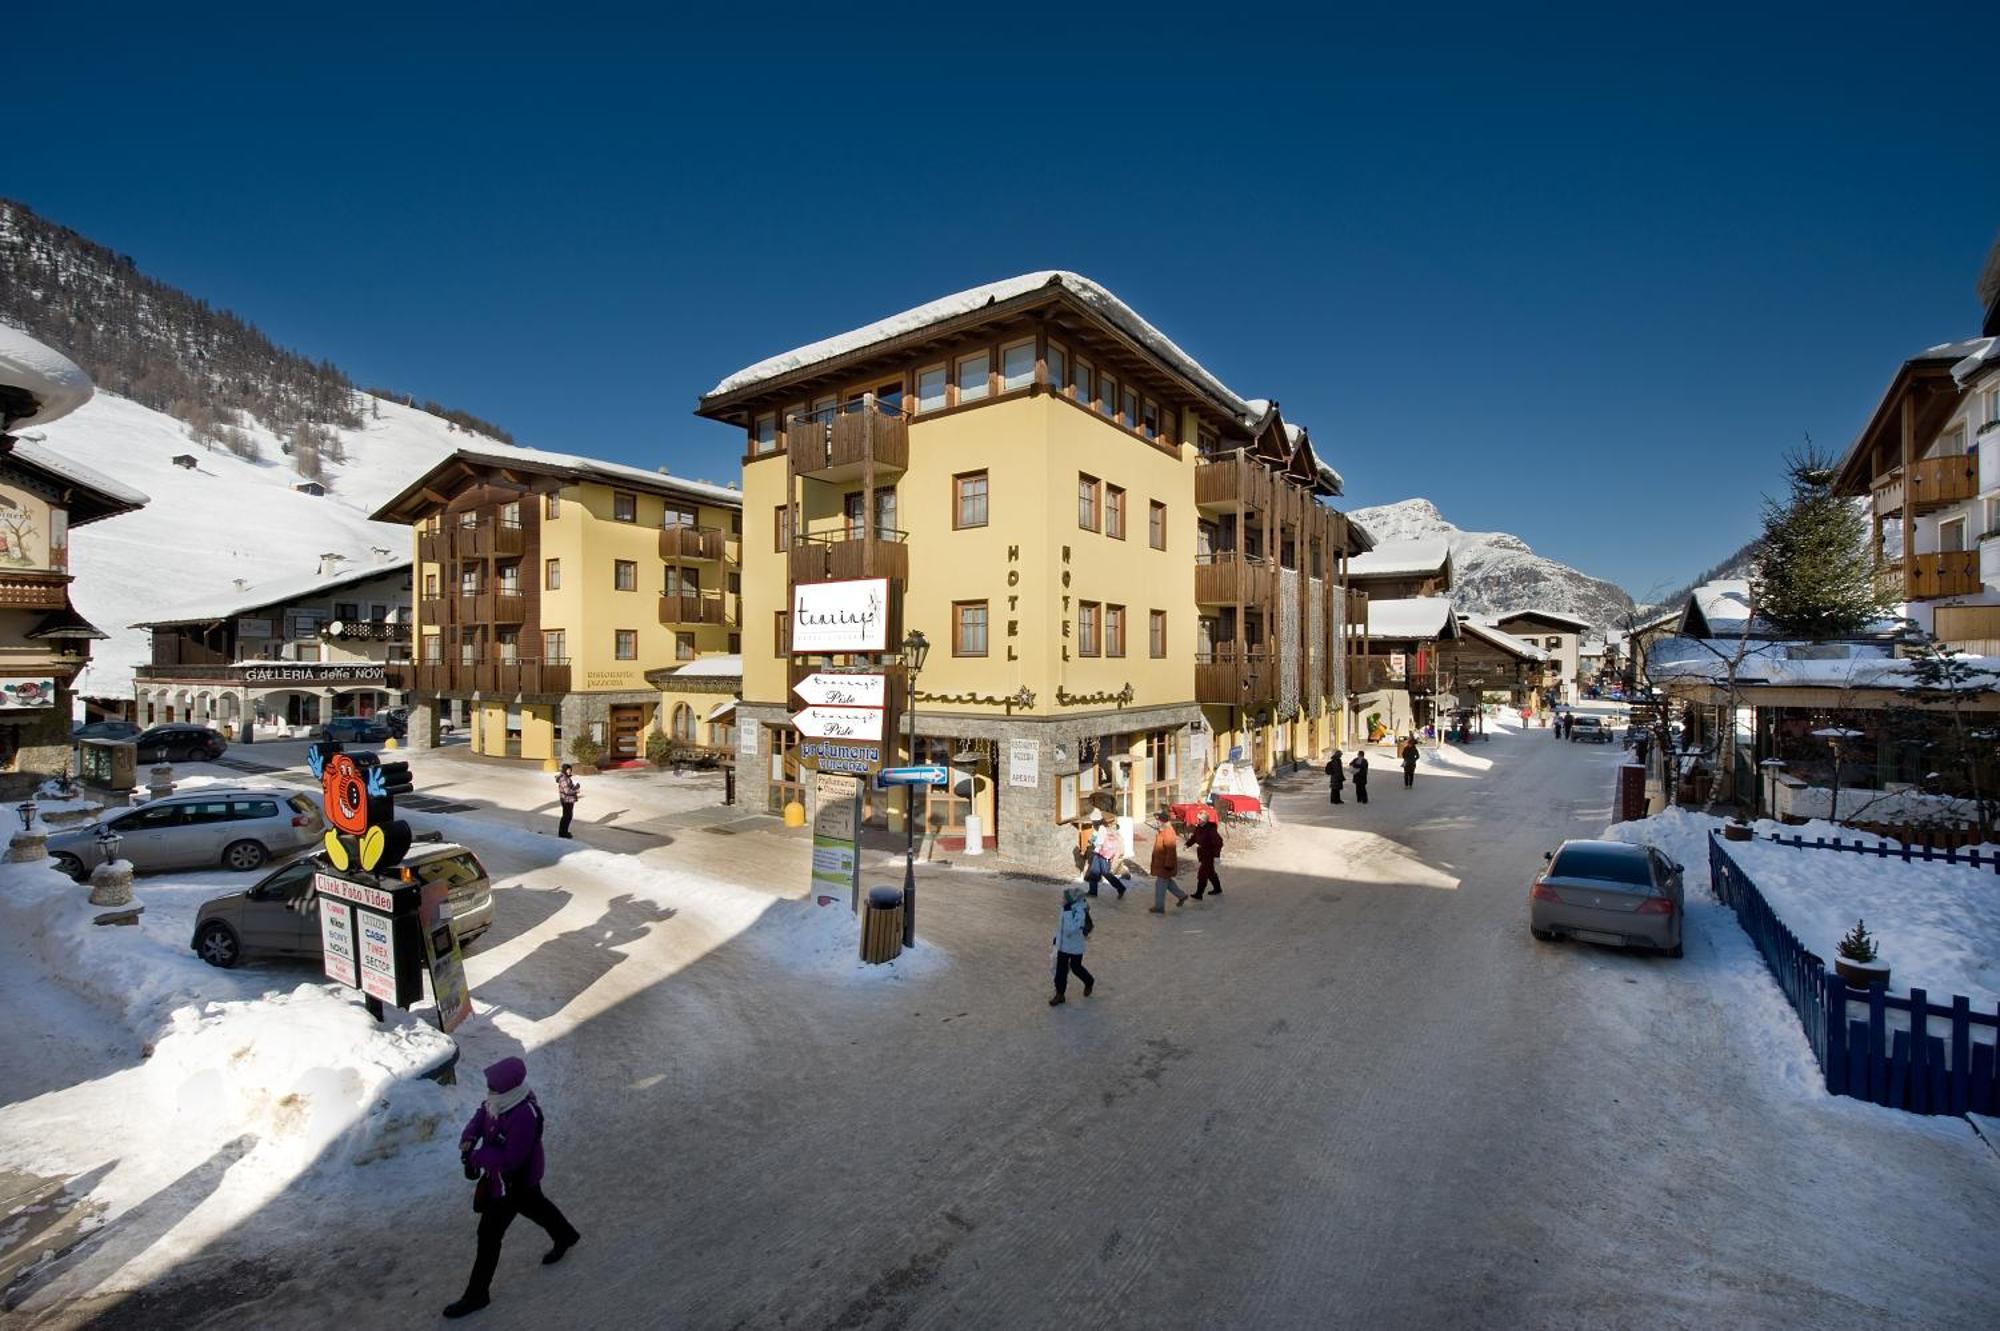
(1816, 577)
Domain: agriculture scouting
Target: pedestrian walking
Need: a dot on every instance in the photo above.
(1071, 931)
(1336, 777)
(1207, 842)
(1166, 863)
(1410, 755)
(567, 791)
(1360, 769)
(1107, 849)
(502, 1148)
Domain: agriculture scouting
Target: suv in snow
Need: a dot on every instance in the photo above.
(237, 827)
(277, 917)
(1589, 729)
(179, 744)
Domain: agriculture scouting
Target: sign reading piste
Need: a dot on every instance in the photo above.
(846, 714)
(835, 690)
(856, 723)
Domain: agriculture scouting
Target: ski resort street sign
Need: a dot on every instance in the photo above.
(837, 690)
(849, 723)
(924, 774)
(838, 617)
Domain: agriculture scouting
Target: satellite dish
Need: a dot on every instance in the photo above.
(333, 630)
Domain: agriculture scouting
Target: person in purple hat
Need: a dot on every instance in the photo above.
(502, 1148)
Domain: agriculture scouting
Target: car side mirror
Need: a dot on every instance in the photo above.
(1679, 867)
(1548, 855)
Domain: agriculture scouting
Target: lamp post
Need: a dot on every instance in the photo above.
(915, 648)
(1835, 736)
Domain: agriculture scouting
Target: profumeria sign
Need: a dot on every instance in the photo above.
(837, 617)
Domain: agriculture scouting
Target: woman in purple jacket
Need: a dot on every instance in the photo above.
(502, 1145)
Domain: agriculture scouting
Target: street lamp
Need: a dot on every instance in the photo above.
(915, 648)
(27, 809)
(108, 842)
(1835, 736)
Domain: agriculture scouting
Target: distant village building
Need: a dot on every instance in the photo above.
(1560, 635)
(310, 488)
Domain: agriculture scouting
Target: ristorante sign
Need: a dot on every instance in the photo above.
(308, 672)
(836, 617)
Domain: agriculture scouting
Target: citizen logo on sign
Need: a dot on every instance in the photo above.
(850, 616)
(373, 897)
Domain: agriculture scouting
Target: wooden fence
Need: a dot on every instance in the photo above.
(1861, 1056)
(1907, 853)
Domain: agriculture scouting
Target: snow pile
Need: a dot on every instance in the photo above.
(1938, 924)
(56, 383)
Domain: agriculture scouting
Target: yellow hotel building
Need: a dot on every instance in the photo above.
(1128, 573)
(548, 585)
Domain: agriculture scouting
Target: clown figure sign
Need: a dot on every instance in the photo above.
(358, 792)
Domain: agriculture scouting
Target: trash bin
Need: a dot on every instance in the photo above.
(882, 925)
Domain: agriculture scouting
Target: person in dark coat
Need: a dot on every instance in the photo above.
(1336, 777)
(1360, 769)
(1206, 838)
(502, 1147)
(1410, 755)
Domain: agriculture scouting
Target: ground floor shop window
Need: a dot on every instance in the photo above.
(1162, 769)
(787, 780)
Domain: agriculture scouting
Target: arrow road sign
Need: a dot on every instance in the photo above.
(925, 774)
(863, 723)
(830, 690)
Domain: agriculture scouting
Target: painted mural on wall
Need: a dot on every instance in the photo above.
(24, 524)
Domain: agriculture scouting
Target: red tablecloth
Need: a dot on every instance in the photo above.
(1239, 804)
(1185, 814)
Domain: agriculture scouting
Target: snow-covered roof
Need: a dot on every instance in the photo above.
(1404, 558)
(1411, 617)
(1506, 642)
(276, 592)
(116, 495)
(56, 383)
(1723, 608)
(1548, 616)
(1792, 664)
(502, 455)
(960, 303)
(1987, 353)
(712, 665)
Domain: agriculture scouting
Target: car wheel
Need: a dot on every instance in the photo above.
(69, 864)
(217, 945)
(244, 856)
(1543, 935)
(1677, 951)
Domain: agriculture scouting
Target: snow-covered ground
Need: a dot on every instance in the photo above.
(1938, 925)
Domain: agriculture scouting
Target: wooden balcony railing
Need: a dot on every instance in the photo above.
(1946, 573)
(1225, 678)
(1224, 481)
(1368, 673)
(503, 677)
(1231, 578)
(434, 547)
(838, 557)
(837, 446)
(21, 591)
(503, 607)
(682, 542)
(1933, 483)
(369, 630)
(692, 607)
(1974, 629)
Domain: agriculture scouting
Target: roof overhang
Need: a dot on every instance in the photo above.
(1926, 383)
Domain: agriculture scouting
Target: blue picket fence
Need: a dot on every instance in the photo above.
(1907, 1067)
(1886, 850)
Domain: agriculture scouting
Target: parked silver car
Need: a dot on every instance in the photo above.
(1589, 729)
(274, 919)
(237, 827)
(1608, 892)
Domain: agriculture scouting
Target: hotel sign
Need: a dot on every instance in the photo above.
(839, 617)
(311, 672)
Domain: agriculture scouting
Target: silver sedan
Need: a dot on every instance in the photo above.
(1608, 892)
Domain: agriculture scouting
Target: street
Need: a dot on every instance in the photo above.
(1351, 1092)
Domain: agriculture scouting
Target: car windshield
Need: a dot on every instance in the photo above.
(1609, 864)
(1588, 722)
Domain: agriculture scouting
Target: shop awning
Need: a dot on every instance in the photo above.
(722, 709)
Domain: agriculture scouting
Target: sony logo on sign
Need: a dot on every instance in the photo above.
(831, 617)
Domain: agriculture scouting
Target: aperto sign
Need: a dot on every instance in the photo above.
(833, 617)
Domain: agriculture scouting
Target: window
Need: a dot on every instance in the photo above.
(1554, 644)
(552, 506)
(306, 651)
(968, 628)
(552, 574)
(972, 374)
(624, 507)
(1058, 367)
(735, 584)
(346, 611)
(430, 586)
(1149, 419)
(678, 515)
(510, 513)
(1086, 628)
(736, 522)
(378, 612)
(885, 514)
(968, 499)
(851, 508)
(1156, 525)
(625, 575)
(735, 643)
(764, 435)
(554, 649)
(468, 580)
(684, 647)
(1951, 535)
(930, 388)
(1156, 633)
(1079, 381)
(781, 528)
(1017, 366)
(626, 644)
(507, 645)
(1114, 630)
(683, 723)
(469, 518)
(781, 644)
(1207, 442)
(681, 581)
(1107, 395)
(509, 578)
(468, 647)
(433, 648)
(1114, 512)
(1086, 502)
(1130, 408)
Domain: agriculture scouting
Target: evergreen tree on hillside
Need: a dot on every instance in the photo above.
(1816, 577)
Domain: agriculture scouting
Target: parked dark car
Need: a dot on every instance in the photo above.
(103, 730)
(398, 721)
(180, 744)
(356, 730)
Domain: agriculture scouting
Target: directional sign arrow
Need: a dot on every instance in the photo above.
(862, 723)
(830, 690)
(928, 774)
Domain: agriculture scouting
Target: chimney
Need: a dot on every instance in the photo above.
(383, 554)
(241, 584)
(329, 564)
(664, 472)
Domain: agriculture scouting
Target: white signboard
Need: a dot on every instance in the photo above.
(253, 628)
(1397, 665)
(1024, 763)
(336, 941)
(836, 860)
(378, 955)
(839, 722)
(828, 690)
(328, 886)
(830, 617)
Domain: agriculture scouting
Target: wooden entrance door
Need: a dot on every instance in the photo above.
(627, 724)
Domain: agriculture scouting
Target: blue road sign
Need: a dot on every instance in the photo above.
(927, 774)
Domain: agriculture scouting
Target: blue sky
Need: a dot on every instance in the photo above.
(1578, 276)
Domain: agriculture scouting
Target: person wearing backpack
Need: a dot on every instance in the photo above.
(1107, 852)
(1071, 931)
(567, 791)
(1207, 842)
(502, 1148)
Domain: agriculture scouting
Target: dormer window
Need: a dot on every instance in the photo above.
(972, 375)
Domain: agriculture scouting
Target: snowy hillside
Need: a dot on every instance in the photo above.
(229, 518)
(1493, 572)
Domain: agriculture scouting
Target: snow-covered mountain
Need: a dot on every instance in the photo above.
(1494, 572)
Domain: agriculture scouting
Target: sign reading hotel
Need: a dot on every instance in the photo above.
(831, 618)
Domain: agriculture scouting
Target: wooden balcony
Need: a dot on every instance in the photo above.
(34, 591)
(841, 447)
(695, 607)
(434, 547)
(431, 610)
(1365, 674)
(1222, 678)
(1974, 629)
(368, 630)
(1946, 573)
(1357, 611)
(400, 676)
(1231, 578)
(691, 543)
(836, 558)
(1933, 483)
(503, 607)
(1230, 479)
(500, 678)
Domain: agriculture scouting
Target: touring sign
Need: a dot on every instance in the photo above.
(840, 617)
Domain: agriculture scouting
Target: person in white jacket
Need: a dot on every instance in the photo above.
(1071, 931)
